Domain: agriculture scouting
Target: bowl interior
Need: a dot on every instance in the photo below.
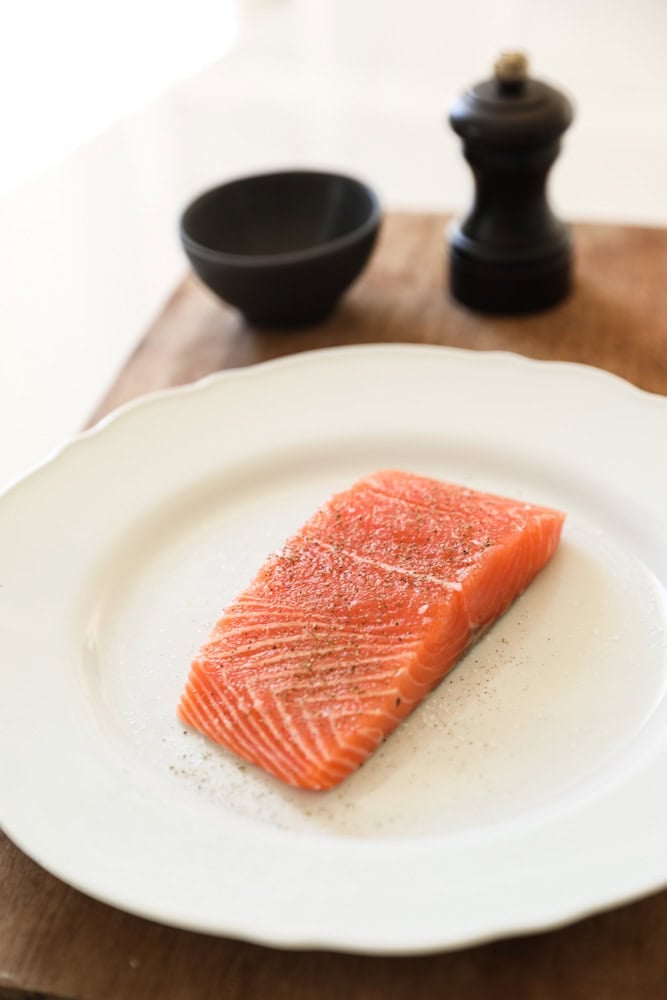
(278, 213)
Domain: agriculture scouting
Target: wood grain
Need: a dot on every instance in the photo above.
(615, 319)
(56, 941)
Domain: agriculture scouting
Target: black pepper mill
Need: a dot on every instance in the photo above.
(510, 254)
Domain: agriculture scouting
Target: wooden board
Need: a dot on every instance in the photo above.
(56, 941)
(616, 318)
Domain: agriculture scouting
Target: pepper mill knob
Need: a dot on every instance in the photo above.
(510, 254)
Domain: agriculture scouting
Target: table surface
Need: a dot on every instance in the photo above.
(55, 940)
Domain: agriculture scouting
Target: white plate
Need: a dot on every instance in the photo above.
(529, 789)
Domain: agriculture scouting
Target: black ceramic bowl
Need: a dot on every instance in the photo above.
(282, 247)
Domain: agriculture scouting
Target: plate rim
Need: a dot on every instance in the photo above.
(166, 393)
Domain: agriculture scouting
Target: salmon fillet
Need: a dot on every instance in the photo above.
(359, 616)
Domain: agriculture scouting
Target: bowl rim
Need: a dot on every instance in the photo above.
(368, 226)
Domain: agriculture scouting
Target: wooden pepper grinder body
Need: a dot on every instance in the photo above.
(510, 254)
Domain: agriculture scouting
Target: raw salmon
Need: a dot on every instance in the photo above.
(359, 615)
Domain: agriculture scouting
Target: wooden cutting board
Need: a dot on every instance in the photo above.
(56, 941)
(616, 318)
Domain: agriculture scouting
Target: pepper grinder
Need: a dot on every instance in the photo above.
(510, 254)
